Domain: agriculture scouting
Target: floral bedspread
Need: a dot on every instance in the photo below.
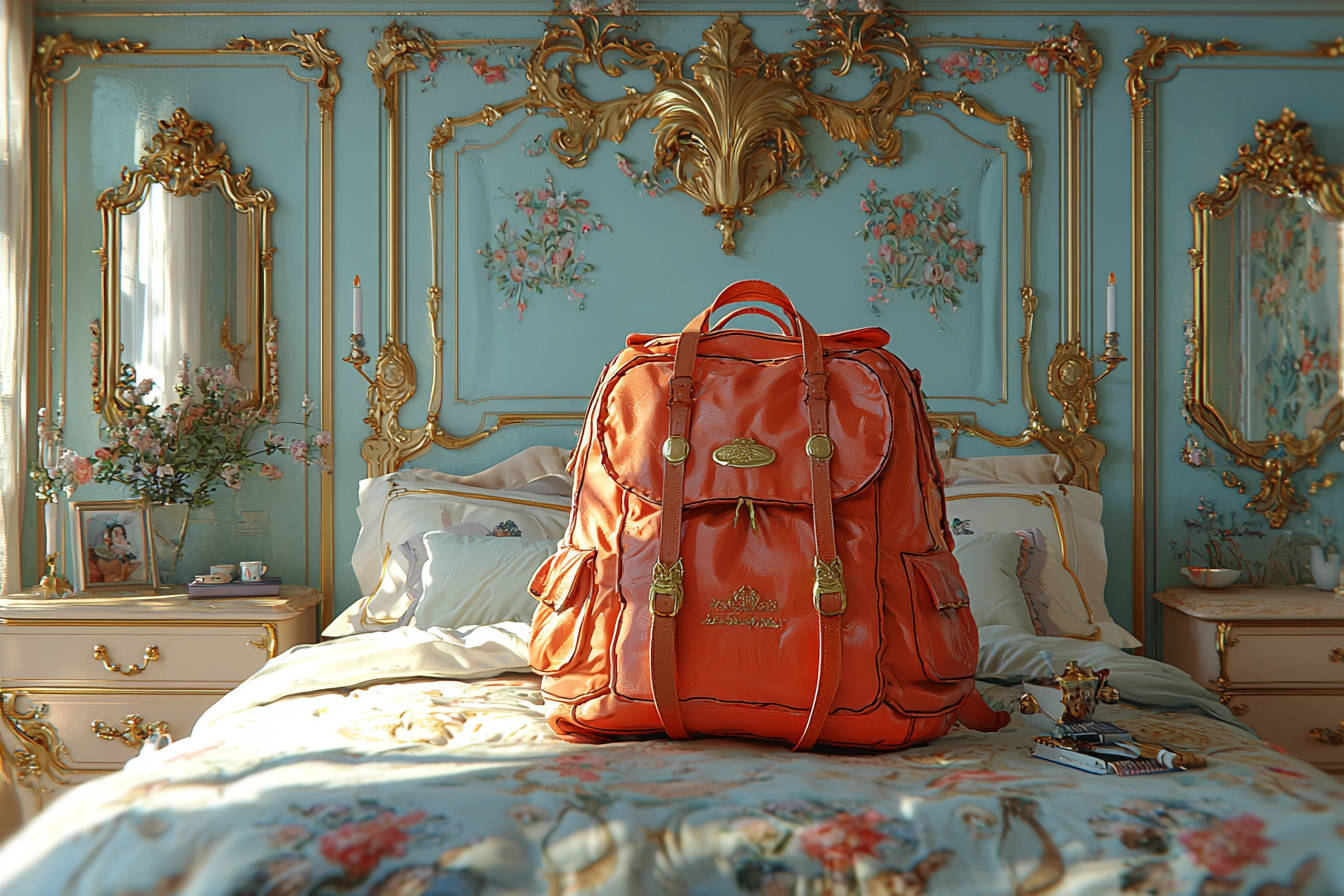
(441, 788)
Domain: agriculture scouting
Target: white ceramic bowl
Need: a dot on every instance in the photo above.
(1210, 578)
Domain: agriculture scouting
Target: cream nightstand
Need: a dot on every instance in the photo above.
(1275, 657)
(84, 681)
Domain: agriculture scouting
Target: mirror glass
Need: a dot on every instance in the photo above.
(186, 262)
(1272, 315)
(189, 286)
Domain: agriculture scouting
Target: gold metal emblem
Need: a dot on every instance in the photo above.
(743, 453)
(666, 580)
(820, 447)
(830, 580)
(676, 449)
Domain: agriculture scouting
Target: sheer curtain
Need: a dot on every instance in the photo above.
(16, 41)
(163, 275)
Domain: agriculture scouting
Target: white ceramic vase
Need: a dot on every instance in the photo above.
(1325, 567)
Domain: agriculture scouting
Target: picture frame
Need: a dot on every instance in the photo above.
(114, 547)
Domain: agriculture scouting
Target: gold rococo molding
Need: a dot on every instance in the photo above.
(691, 115)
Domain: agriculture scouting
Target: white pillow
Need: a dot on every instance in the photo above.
(526, 495)
(1008, 469)
(1070, 519)
(478, 580)
(989, 567)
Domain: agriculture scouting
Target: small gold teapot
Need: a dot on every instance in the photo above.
(1074, 695)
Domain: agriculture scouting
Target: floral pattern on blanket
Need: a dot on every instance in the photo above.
(442, 787)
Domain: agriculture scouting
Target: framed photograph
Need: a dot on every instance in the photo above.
(113, 547)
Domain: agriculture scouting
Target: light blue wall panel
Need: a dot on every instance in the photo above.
(660, 263)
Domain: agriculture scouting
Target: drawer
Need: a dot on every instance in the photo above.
(73, 716)
(206, 656)
(1287, 719)
(1265, 655)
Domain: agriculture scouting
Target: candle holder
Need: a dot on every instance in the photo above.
(358, 357)
(1111, 357)
(53, 584)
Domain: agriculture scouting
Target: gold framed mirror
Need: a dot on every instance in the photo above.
(186, 272)
(1264, 383)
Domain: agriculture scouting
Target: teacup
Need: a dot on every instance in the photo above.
(253, 570)
(223, 569)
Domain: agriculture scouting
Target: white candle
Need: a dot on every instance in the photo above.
(52, 514)
(1110, 305)
(358, 327)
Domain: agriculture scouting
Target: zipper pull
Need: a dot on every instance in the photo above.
(751, 512)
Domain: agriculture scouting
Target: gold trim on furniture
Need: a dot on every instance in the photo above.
(1332, 737)
(43, 754)
(310, 53)
(1238, 710)
(267, 641)
(1152, 54)
(185, 160)
(134, 734)
(1281, 164)
(100, 654)
(684, 108)
(1337, 655)
(1223, 640)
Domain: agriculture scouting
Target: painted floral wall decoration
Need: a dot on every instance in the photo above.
(920, 247)
(1297, 367)
(545, 253)
(479, 64)
(971, 65)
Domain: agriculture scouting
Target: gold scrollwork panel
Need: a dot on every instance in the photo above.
(310, 53)
(1151, 55)
(729, 133)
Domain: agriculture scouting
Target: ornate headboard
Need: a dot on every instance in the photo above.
(728, 139)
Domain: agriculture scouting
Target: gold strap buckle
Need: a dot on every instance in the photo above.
(666, 580)
(830, 580)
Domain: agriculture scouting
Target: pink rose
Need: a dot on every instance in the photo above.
(102, 454)
(520, 255)
(905, 200)
(863, 207)
(550, 217)
(933, 273)
(516, 273)
(82, 470)
(960, 265)
(522, 198)
(500, 255)
(947, 280)
(887, 253)
(1039, 64)
(270, 471)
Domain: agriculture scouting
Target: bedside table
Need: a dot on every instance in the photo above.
(84, 681)
(1274, 656)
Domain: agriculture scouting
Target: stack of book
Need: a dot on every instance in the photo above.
(263, 588)
(1101, 748)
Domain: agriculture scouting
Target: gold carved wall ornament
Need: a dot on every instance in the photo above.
(732, 130)
(1283, 164)
(727, 119)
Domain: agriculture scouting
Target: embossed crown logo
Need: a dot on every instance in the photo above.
(743, 453)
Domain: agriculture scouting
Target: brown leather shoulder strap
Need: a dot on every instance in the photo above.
(828, 592)
(665, 593)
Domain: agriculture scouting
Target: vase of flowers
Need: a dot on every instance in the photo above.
(175, 457)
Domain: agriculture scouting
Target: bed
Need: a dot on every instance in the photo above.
(411, 756)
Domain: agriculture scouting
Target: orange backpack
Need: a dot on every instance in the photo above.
(757, 547)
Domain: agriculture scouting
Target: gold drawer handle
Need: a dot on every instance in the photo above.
(1333, 737)
(100, 653)
(135, 735)
(1337, 655)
